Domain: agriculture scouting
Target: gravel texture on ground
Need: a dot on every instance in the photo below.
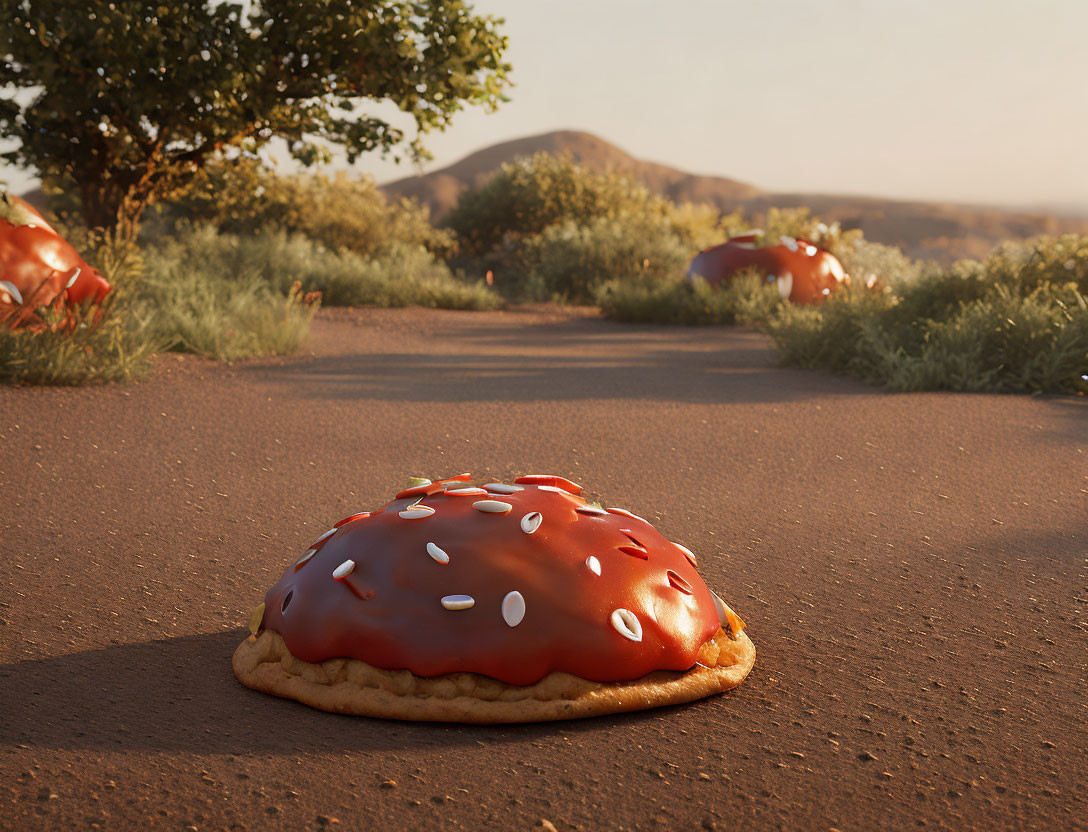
(912, 569)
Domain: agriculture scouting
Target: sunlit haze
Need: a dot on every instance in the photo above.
(979, 101)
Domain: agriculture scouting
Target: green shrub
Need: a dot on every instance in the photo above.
(1024, 267)
(527, 196)
(887, 264)
(568, 261)
(1000, 326)
(800, 224)
(196, 312)
(1003, 343)
(665, 299)
(244, 197)
(402, 276)
(827, 336)
(96, 345)
(158, 303)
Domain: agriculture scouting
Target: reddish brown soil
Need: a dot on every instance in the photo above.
(911, 567)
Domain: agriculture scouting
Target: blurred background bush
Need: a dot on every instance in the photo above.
(236, 266)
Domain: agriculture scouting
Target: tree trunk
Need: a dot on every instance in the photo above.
(113, 209)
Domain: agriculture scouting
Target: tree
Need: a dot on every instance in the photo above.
(126, 100)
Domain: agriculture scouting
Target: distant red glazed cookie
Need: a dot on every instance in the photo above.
(494, 603)
(801, 272)
(37, 265)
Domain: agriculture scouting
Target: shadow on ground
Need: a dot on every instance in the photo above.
(529, 360)
(742, 376)
(180, 695)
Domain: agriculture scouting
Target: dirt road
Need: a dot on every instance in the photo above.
(912, 569)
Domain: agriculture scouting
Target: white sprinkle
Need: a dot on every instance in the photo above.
(531, 522)
(513, 608)
(810, 251)
(594, 565)
(785, 285)
(344, 569)
(416, 511)
(9, 288)
(719, 605)
(627, 624)
(492, 506)
(596, 512)
(438, 554)
(826, 292)
(466, 492)
(73, 278)
(302, 561)
(554, 488)
(458, 602)
(789, 242)
(687, 553)
(503, 488)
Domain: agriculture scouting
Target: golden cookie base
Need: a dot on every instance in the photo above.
(350, 686)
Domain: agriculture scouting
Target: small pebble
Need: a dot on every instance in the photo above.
(389, 784)
(866, 756)
(547, 825)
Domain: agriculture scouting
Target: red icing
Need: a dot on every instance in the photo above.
(39, 263)
(812, 276)
(388, 612)
(432, 487)
(549, 479)
(361, 515)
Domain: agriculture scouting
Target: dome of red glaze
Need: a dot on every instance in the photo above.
(514, 583)
(802, 272)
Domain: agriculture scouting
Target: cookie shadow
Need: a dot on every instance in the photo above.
(180, 694)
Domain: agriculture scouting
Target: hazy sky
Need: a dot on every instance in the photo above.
(969, 100)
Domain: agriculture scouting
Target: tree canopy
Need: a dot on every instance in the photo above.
(127, 99)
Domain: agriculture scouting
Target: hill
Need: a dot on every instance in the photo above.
(439, 190)
(942, 231)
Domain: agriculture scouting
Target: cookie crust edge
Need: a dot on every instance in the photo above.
(350, 686)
